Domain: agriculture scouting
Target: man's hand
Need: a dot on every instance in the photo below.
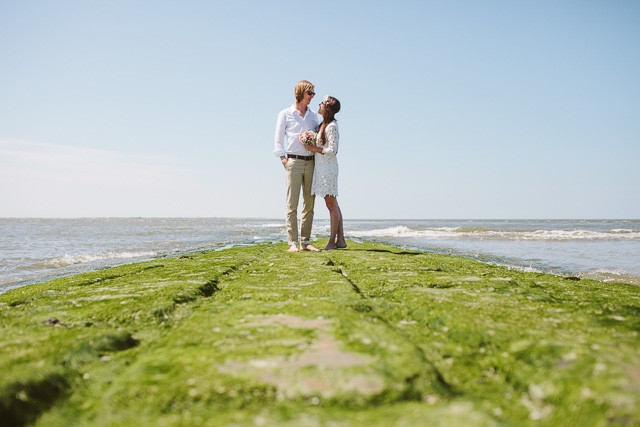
(283, 159)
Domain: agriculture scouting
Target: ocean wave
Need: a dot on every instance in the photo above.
(321, 229)
(484, 233)
(67, 260)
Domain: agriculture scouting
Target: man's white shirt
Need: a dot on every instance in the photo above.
(291, 124)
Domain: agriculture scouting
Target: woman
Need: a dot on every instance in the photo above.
(325, 174)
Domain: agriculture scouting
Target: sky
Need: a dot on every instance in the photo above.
(450, 109)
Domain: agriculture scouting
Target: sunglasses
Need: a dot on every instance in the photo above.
(311, 93)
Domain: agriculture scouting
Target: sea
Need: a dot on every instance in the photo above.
(37, 250)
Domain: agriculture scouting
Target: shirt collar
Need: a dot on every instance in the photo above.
(309, 110)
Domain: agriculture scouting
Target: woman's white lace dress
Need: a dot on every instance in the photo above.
(325, 173)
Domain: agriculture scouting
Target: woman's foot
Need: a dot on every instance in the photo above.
(330, 246)
(341, 245)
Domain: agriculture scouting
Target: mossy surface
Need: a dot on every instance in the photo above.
(371, 334)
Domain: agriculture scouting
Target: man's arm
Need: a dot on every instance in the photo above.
(281, 126)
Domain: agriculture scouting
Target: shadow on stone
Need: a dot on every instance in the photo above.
(21, 403)
(385, 251)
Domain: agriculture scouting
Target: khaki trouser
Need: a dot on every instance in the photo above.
(299, 174)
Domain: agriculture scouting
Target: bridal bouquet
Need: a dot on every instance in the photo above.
(308, 137)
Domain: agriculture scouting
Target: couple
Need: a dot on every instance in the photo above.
(313, 167)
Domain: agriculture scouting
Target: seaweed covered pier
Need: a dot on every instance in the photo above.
(369, 335)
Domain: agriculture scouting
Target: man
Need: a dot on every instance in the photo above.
(298, 163)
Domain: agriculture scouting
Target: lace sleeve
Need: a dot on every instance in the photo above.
(332, 135)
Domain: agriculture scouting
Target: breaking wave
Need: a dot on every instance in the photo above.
(484, 233)
(271, 225)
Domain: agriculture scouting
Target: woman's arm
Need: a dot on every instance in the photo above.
(310, 147)
(331, 147)
(332, 135)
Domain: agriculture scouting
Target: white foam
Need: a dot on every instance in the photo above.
(399, 231)
(480, 233)
(66, 260)
(529, 269)
(322, 229)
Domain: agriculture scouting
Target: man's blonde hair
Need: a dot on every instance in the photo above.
(302, 87)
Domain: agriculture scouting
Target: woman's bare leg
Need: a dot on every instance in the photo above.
(334, 214)
(340, 243)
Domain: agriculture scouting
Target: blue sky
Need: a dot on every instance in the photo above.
(450, 109)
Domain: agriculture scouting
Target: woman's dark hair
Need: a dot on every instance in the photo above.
(331, 108)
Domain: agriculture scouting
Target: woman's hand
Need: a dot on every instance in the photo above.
(311, 147)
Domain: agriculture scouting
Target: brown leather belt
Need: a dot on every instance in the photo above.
(295, 156)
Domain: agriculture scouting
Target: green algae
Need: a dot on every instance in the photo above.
(367, 335)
